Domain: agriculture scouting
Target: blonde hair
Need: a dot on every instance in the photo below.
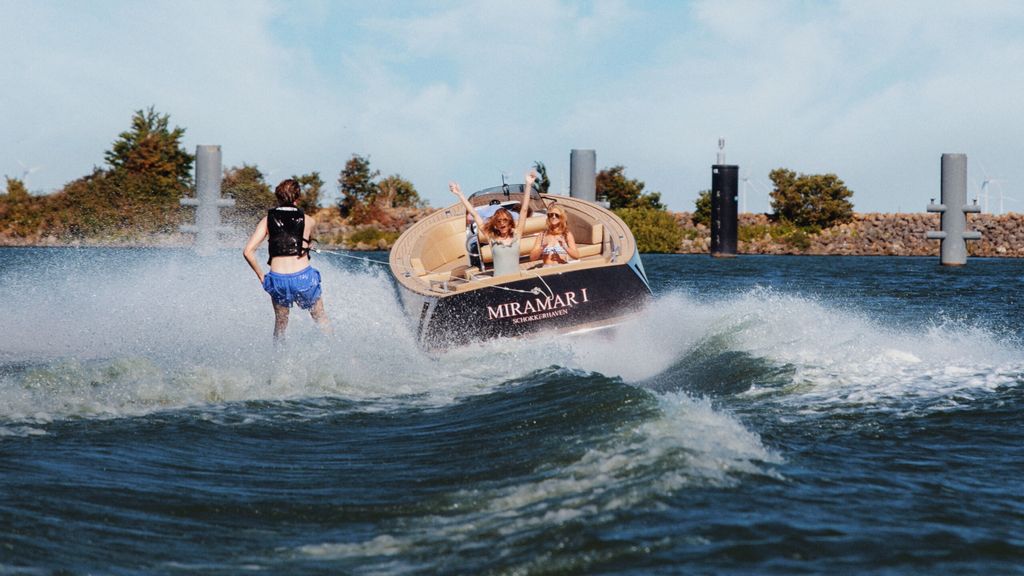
(560, 228)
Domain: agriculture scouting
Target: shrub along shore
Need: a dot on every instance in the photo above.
(871, 234)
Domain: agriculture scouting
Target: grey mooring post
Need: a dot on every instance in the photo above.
(207, 201)
(583, 174)
(954, 209)
(724, 210)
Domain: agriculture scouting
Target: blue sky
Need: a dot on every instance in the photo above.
(873, 91)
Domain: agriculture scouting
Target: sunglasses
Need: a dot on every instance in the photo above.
(553, 216)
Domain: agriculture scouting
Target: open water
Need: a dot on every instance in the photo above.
(766, 415)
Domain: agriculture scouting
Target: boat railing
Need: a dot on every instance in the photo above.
(616, 249)
(440, 285)
(436, 260)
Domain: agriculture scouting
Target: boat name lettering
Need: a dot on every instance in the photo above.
(538, 308)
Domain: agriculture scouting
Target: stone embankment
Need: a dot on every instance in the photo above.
(332, 230)
(866, 235)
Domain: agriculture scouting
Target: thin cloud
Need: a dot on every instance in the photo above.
(874, 92)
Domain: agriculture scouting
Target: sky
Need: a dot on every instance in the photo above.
(872, 91)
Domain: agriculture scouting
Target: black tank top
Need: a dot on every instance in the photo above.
(285, 225)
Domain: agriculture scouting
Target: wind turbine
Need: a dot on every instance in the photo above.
(743, 196)
(25, 171)
(999, 185)
(985, 192)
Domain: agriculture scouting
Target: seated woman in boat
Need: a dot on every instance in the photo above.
(556, 243)
(501, 230)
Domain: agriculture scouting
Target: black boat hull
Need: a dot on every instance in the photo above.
(561, 302)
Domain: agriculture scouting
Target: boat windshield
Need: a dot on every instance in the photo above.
(508, 196)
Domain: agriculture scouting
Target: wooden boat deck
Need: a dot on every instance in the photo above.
(431, 258)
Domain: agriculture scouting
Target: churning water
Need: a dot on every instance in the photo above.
(764, 415)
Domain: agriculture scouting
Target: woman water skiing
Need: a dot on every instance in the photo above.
(291, 279)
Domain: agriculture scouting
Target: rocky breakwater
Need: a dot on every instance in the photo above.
(870, 234)
(378, 233)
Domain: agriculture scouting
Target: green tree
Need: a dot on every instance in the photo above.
(151, 149)
(655, 230)
(148, 172)
(820, 200)
(16, 190)
(20, 212)
(622, 192)
(395, 192)
(311, 185)
(358, 190)
(543, 182)
(253, 196)
(92, 206)
(702, 209)
(364, 200)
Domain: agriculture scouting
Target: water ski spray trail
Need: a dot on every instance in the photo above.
(826, 352)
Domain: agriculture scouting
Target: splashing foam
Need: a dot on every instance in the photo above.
(140, 331)
(841, 356)
(154, 330)
(849, 357)
(164, 331)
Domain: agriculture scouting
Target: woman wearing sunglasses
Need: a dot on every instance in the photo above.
(556, 244)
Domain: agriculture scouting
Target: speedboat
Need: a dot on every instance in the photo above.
(450, 292)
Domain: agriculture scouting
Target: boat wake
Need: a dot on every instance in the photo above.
(616, 446)
(162, 334)
(824, 356)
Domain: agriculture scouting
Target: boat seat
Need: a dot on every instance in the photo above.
(447, 242)
(588, 250)
(417, 266)
(535, 224)
(526, 244)
(585, 233)
(588, 242)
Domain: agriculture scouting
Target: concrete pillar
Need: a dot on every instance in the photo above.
(583, 174)
(954, 209)
(207, 201)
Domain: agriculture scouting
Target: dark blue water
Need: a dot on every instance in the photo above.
(767, 415)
